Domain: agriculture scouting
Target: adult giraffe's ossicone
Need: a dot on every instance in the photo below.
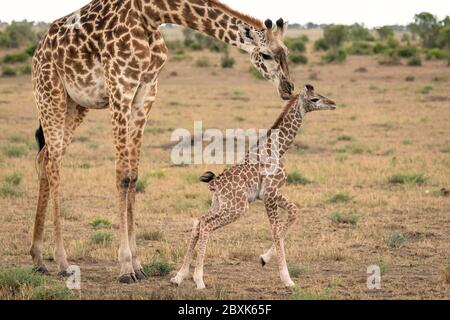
(109, 54)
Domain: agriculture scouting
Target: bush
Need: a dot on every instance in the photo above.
(15, 150)
(321, 45)
(406, 51)
(298, 58)
(30, 50)
(102, 238)
(389, 58)
(295, 44)
(436, 53)
(360, 48)
(360, 33)
(379, 48)
(385, 32)
(8, 71)
(202, 62)
(395, 240)
(15, 57)
(335, 56)
(227, 61)
(17, 34)
(415, 61)
(24, 69)
(158, 268)
(335, 35)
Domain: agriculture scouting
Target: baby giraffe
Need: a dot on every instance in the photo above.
(256, 177)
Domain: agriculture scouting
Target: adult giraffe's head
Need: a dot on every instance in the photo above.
(269, 54)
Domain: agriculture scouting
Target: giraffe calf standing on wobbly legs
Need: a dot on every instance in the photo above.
(254, 179)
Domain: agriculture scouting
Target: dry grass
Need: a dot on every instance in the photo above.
(386, 126)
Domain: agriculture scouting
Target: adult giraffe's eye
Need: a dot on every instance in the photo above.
(266, 56)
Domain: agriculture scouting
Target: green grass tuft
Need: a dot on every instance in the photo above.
(344, 218)
(296, 270)
(407, 178)
(156, 235)
(52, 293)
(102, 238)
(339, 197)
(158, 268)
(296, 178)
(15, 150)
(100, 222)
(10, 186)
(395, 239)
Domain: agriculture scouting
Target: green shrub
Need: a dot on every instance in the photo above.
(8, 71)
(339, 197)
(345, 138)
(344, 218)
(358, 32)
(321, 45)
(407, 178)
(296, 271)
(202, 62)
(389, 58)
(15, 57)
(296, 178)
(14, 280)
(410, 78)
(18, 34)
(31, 50)
(385, 32)
(406, 51)
(360, 48)
(227, 61)
(335, 35)
(379, 48)
(338, 55)
(24, 69)
(13, 179)
(295, 44)
(426, 90)
(52, 293)
(158, 268)
(298, 58)
(415, 61)
(436, 53)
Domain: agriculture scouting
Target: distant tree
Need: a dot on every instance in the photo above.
(360, 33)
(427, 27)
(335, 35)
(385, 32)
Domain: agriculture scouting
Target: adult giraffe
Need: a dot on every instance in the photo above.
(109, 54)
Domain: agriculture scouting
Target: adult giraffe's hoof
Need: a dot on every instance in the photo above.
(41, 269)
(128, 278)
(140, 274)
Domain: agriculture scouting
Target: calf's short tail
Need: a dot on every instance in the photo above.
(207, 177)
(40, 139)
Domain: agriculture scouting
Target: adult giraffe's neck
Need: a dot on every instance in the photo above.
(207, 16)
(288, 125)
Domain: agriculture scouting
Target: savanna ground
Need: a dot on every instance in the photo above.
(367, 178)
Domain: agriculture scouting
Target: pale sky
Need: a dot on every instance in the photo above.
(373, 13)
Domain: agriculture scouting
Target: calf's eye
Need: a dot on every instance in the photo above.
(266, 56)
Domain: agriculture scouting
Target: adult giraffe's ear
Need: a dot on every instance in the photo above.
(282, 27)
